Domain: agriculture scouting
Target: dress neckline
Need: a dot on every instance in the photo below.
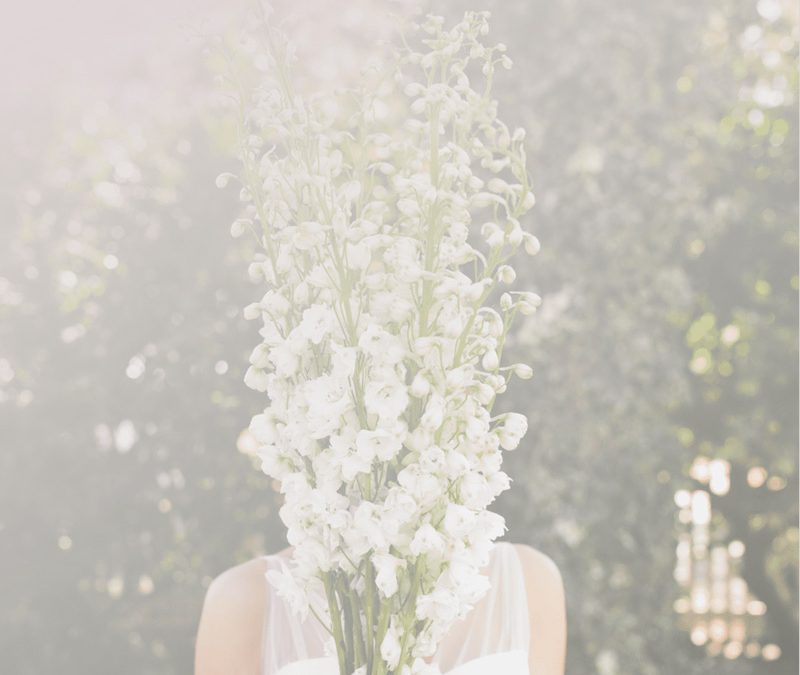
(512, 661)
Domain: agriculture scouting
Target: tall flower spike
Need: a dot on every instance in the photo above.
(381, 345)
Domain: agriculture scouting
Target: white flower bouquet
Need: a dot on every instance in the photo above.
(383, 322)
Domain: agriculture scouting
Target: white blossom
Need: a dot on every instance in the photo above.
(386, 568)
(381, 347)
(390, 646)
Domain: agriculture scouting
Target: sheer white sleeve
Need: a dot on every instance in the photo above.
(286, 639)
(499, 622)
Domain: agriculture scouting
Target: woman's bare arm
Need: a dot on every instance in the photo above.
(230, 631)
(547, 608)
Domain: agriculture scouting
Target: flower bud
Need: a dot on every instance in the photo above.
(490, 360)
(506, 274)
(528, 201)
(523, 371)
(529, 302)
(532, 244)
(257, 379)
(255, 271)
(223, 179)
(420, 386)
(505, 140)
(259, 357)
(475, 183)
(482, 199)
(474, 291)
(493, 234)
(252, 311)
(485, 393)
(238, 226)
(498, 185)
(516, 235)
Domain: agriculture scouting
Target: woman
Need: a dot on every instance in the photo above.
(246, 629)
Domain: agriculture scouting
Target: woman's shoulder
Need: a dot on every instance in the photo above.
(546, 609)
(237, 584)
(230, 630)
(543, 580)
(538, 563)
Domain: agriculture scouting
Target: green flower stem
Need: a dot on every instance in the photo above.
(336, 621)
(409, 616)
(348, 630)
(369, 584)
(358, 635)
(430, 243)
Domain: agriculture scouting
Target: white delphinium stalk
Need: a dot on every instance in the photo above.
(381, 350)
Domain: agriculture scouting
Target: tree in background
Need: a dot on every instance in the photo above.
(651, 185)
(123, 350)
(666, 209)
(742, 332)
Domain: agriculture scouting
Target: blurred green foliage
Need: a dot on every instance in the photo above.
(663, 142)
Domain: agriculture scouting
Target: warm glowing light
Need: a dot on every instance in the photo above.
(719, 476)
(146, 585)
(756, 608)
(718, 630)
(136, 367)
(71, 333)
(67, 279)
(682, 606)
(683, 499)
(736, 549)
(776, 483)
(756, 476)
(125, 436)
(247, 443)
(732, 650)
(738, 595)
(737, 630)
(752, 650)
(115, 586)
(683, 572)
(700, 600)
(701, 507)
(700, 469)
(719, 562)
(699, 634)
(771, 652)
(730, 334)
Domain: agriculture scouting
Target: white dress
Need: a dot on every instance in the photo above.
(493, 639)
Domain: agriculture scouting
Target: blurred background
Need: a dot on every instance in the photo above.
(660, 470)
